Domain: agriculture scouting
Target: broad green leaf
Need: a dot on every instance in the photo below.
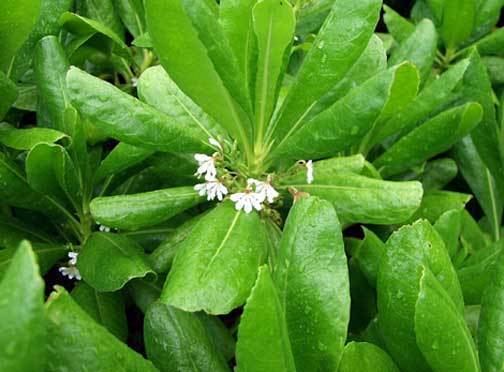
(128, 119)
(400, 28)
(27, 97)
(449, 226)
(274, 23)
(157, 89)
(122, 157)
(77, 343)
(435, 203)
(47, 24)
(9, 94)
(235, 17)
(263, 338)
(103, 11)
(13, 231)
(132, 14)
(363, 356)
(436, 9)
(204, 81)
(178, 341)
(487, 15)
(492, 44)
(16, 21)
(419, 48)
(144, 209)
(145, 292)
(438, 173)
(407, 251)
(108, 261)
(106, 308)
(339, 43)
(347, 121)
(441, 332)
(311, 15)
(490, 332)
(327, 169)
(22, 329)
(494, 66)
(51, 171)
(431, 138)
(429, 102)
(162, 257)
(50, 67)
(26, 139)
(219, 334)
(367, 200)
(216, 265)
(458, 22)
(481, 182)
(368, 255)
(313, 286)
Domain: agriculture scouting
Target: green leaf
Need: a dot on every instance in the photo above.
(356, 114)
(47, 24)
(408, 250)
(144, 292)
(488, 13)
(435, 203)
(216, 265)
(106, 308)
(103, 11)
(157, 89)
(9, 94)
(16, 21)
(208, 82)
(132, 14)
(492, 44)
(122, 157)
(51, 171)
(494, 66)
(26, 139)
(313, 286)
(338, 45)
(50, 67)
(145, 209)
(220, 336)
(458, 22)
(27, 97)
(438, 173)
(108, 261)
(419, 48)
(22, 329)
(367, 200)
(128, 119)
(400, 28)
(490, 332)
(274, 23)
(76, 342)
(178, 341)
(363, 356)
(481, 182)
(441, 332)
(449, 226)
(263, 339)
(431, 138)
(368, 255)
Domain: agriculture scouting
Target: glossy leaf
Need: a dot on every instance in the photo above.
(94, 348)
(263, 339)
(9, 94)
(178, 341)
(204, 274)
(348, 120)
(22, 330)
(435, 203)
(400, 28)
(431, 138)
(339, 43)
(368, 255)
(25, 139)
(141, 126)
(458, 21)
(367, 200)
(18, 15)
(441, 332)
(490, 332)
(449, 225)
(313, 286)
(145, 209)
(108, 261)
(105, 308)
(132, 14)
(103, 11)
(438, 173)
(122, 157)
(363, 356)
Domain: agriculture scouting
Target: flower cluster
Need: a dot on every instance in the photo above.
(71, 271)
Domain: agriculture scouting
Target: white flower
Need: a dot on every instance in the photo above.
(206, 166)
(309, 171)
(213, 188)
(264, 189)
(215, 143)
(103, 228)
(247, 200)
(71, 270)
